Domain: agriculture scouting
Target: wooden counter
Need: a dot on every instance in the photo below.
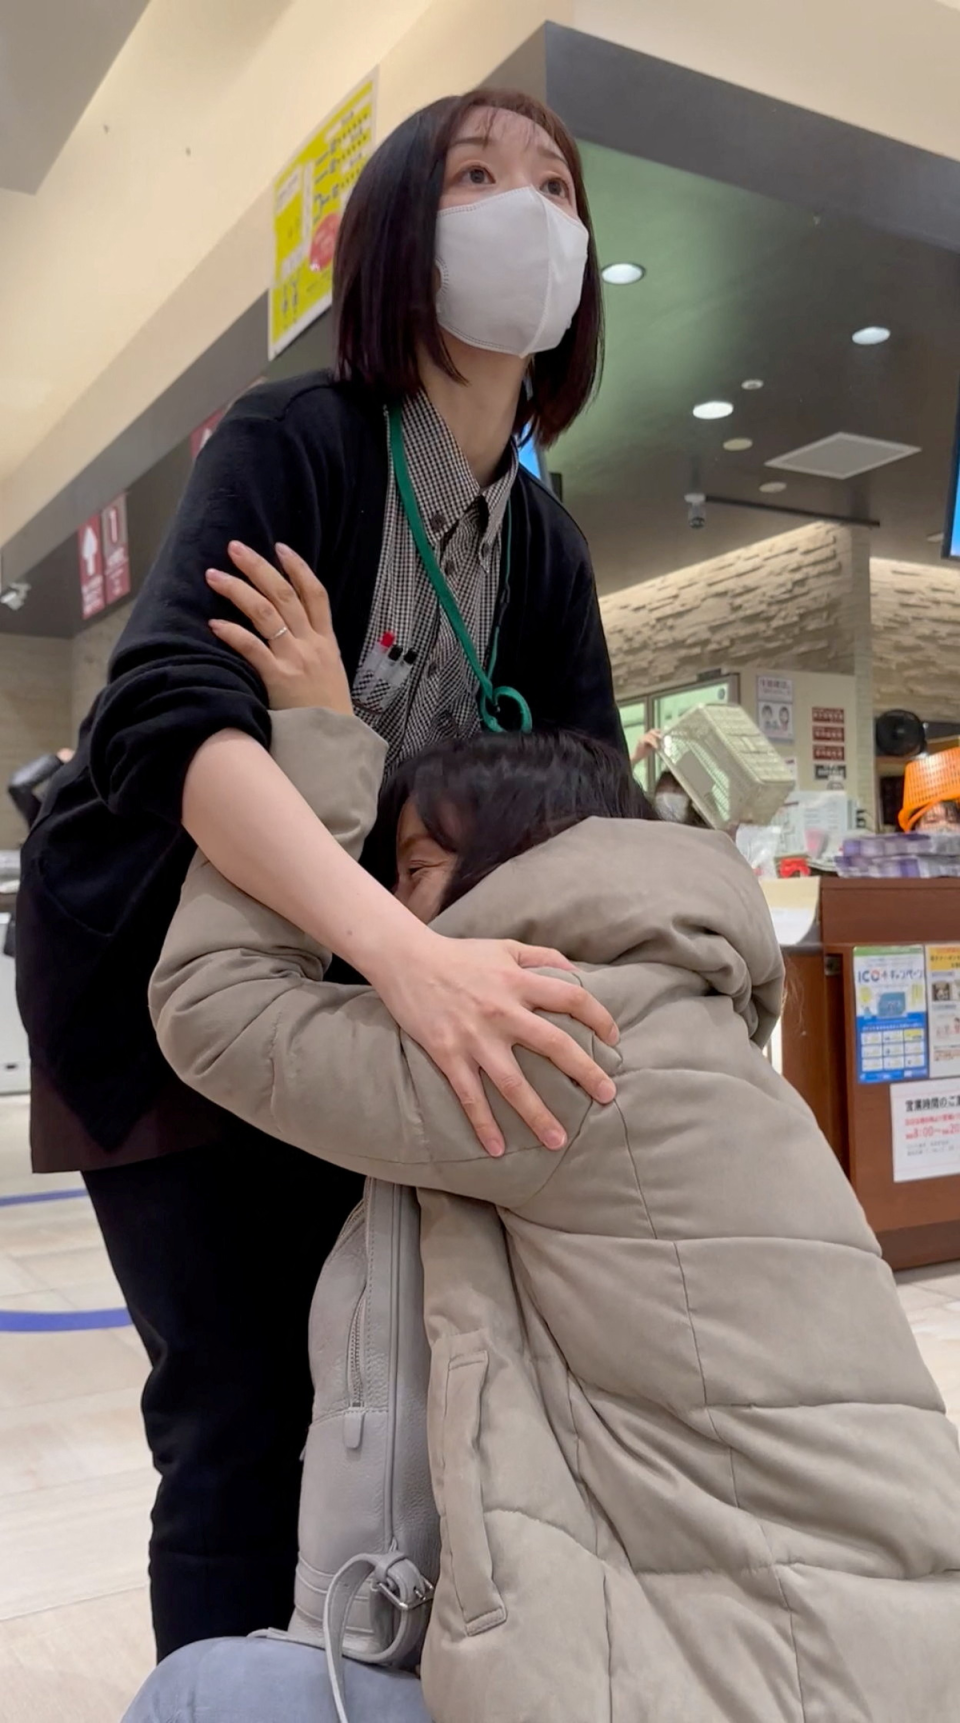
(917, 1222)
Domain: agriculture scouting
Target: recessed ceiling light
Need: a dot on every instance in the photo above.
(773, 487)
(752, 383)
(623, 274)
(873, 336)
(737, 445)
(713, 410)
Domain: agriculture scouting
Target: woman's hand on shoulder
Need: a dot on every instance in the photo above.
(470, 1002)
(294, 649)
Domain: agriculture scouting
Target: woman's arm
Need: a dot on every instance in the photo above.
(181, 734)
(173, 684)
(468, 1004)
(243, 1016)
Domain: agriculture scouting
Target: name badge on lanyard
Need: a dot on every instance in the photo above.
(491, 698)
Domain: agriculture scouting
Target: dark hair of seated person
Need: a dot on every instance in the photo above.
(496, 796)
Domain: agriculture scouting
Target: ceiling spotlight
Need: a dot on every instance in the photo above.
(752, 383)
(738, 445)
(773, 487)
(713, 410)
(935, 537)
(873, 336)
(623, 274)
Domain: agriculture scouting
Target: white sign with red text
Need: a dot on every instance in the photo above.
(116, 550)
(926, 1130)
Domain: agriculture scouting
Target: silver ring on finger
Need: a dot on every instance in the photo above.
(279, 634)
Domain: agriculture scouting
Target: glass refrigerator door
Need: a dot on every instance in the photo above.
(673, 702)
(635, 726)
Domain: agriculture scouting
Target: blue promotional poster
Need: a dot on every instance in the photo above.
(890, 983)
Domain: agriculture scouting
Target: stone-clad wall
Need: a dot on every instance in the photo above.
(916, 638)
(787, 602)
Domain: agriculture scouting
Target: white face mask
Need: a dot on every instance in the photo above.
(511, 272)
(673, 805)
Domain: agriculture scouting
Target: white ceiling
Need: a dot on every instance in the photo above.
(182, 112)
(198, 112)
(53, 56)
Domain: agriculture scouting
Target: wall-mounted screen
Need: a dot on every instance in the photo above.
(531, 458)
(951, 541)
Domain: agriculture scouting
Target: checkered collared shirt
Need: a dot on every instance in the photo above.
(414, 686)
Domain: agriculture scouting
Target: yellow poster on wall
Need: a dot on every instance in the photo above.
(309, 198)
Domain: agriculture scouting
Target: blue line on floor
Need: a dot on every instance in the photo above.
(60, 1321)
(40, 1197)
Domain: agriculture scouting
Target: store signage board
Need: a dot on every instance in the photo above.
(93, 593)
(116, 550)
(103, 549)
(308, 202)
(201, 436)
(890, 988)
(943, 986)
(775, 707)
(925, 1121)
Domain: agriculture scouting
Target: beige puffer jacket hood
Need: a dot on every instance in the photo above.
(689, 1463)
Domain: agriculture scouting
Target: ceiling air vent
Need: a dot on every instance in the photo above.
(842, 456)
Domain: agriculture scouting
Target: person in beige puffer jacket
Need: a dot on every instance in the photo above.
(689, 1464)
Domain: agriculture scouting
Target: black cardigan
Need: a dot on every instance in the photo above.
(303, 462)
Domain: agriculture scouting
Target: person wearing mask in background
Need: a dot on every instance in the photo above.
(669, 796)
(931, 793)
(468, 307)
(24, 791)
(689, 1464)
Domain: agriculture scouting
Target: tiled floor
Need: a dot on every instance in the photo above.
(75, 1479)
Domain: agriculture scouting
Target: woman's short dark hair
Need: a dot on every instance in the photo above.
(384, 297)
(488, 800)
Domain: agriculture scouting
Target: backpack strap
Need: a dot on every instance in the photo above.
(403, 1586)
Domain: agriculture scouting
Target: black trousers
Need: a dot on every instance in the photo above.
(218, 1251)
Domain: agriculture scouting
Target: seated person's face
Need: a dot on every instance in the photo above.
(424, 868)
(944, 817)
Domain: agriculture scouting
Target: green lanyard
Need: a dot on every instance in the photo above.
(490, 697)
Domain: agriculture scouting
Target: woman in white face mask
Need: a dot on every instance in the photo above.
(468, 304)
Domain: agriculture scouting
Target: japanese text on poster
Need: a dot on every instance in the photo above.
(925, 1120)
(943, 985)
(775, 707)
(890, 986)
(309, 199)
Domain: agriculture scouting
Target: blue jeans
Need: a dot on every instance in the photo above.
(269, 1681)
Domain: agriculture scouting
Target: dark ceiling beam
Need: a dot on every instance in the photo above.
(785, 509)
(646, 107)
